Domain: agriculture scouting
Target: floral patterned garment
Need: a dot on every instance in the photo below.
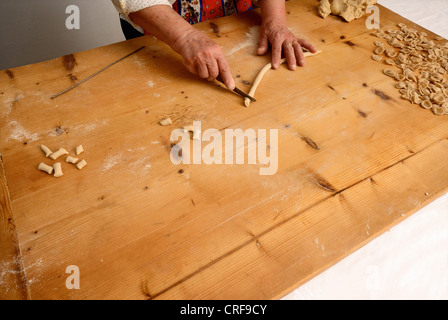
(200, 10)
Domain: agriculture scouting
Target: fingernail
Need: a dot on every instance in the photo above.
(275, 66)
(293, 67)
(302, 62)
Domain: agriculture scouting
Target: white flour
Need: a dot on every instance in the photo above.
(250, 41)
(19, 133)
(111, 161)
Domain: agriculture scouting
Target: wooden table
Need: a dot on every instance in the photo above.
(139, 227)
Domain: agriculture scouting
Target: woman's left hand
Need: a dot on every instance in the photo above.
(283, 40)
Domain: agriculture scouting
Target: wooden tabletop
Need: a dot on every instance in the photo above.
(353, 160)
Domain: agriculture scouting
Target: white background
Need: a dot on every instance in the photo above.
(408, 262)
(34, 30)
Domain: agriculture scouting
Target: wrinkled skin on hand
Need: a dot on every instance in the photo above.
(283, 40)
(204, 57)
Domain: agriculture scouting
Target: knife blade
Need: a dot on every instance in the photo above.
(238, 91)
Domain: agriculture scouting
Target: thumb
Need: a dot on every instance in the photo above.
(262, 45)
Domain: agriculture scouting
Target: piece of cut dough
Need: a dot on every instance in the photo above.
(390, 73)
(426, 104)
(57, 170)
(79, 150)
(71, 159)
(81, 164)
(46, 168)
(47, 150)
(378, 50)
(165, 122)
(196, 133)
(263, 71)
(58, 153)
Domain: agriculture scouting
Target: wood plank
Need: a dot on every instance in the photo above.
(324, 232)
(137, 228)
(12, 277)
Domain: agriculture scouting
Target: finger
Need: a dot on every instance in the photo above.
(290, 56)
(202, 69)
(308, 45)
(300, 57)
(191, 66)
(226, 75)
(263, 45)
(213, 69)
(276, 54)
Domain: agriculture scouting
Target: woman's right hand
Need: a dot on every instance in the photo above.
(201, 55)
(204, 57)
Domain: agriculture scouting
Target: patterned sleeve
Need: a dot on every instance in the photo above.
(128, 6)
(125, 7)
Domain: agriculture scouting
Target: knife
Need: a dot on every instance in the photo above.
(237, 91)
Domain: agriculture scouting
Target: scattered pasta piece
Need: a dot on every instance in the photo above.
(57, 170)
(58, 153)
(426, 104)
(391, 53)
(46, 168)
(197, 135)
(438, 110)
(81, 164)
(379, 44)
(165, 122)
(390, 73)
(71, 159)
(400, 85)
(79, 150)
(378, 50)
(46, 150)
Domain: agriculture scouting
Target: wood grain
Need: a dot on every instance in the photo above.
(354, 160)
(12, 277)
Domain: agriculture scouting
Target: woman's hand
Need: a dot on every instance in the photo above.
(202, 56)
(283, 40)
(275, 32)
